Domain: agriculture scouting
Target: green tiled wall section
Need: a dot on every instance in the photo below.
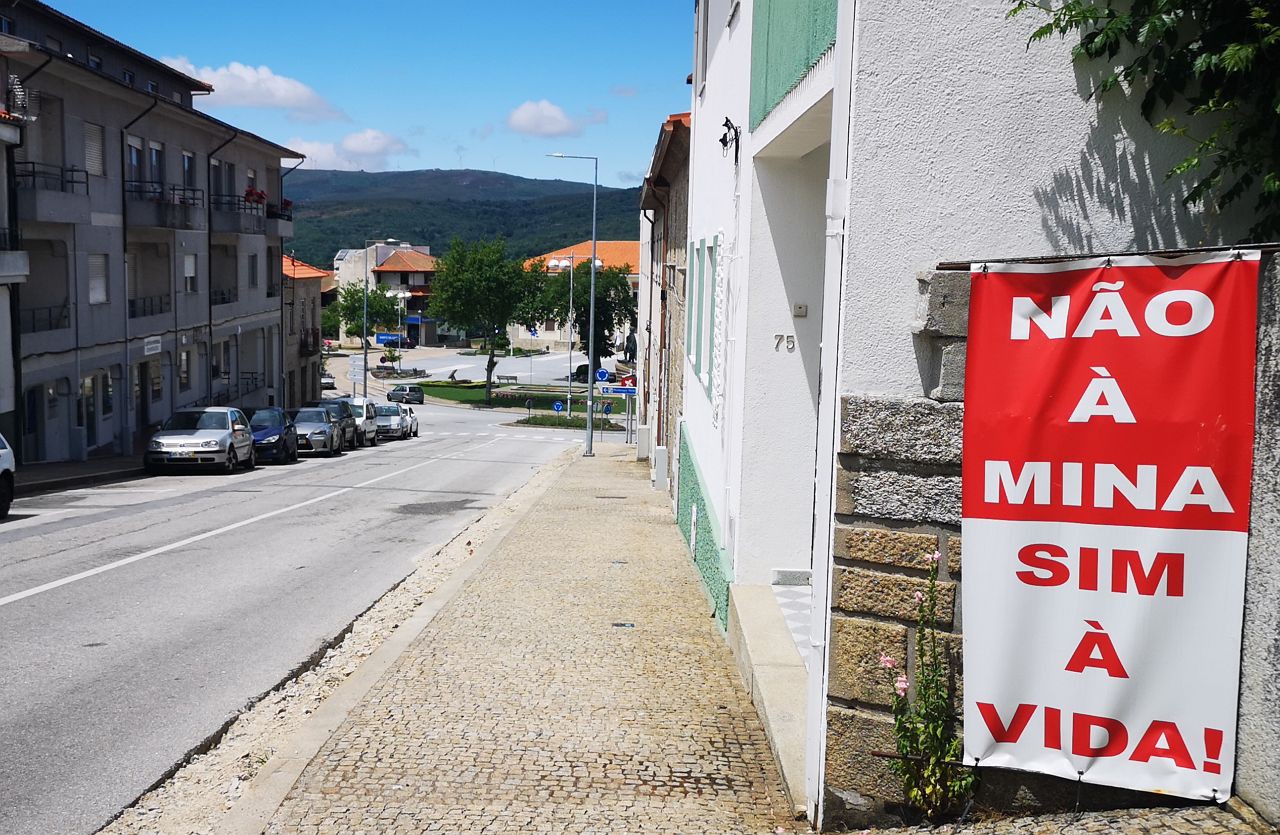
(708, 555)
(787, 39)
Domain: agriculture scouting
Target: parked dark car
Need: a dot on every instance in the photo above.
(400, 342)
(275, 438)
(405, 394)
(341, 411)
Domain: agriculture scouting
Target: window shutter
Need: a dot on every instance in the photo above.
(94, 162)
(97, 279)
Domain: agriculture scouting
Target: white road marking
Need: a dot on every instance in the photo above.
(191, 540)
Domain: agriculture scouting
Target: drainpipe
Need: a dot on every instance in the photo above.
(36, 71)
(126, 369)
(208, 237)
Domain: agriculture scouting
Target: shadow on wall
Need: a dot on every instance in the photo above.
(1121, 170)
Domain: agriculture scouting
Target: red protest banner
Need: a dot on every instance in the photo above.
(1107, 459)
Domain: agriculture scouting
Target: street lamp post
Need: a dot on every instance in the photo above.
(401, 298)
(591, 312)
(562, 265)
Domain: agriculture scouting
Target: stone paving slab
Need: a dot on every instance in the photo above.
(576, 684)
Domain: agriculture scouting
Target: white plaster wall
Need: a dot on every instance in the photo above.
(780, 395)
(647, 321)
(714, 187)
(965, 144)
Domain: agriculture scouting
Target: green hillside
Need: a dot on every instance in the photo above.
(342, 209)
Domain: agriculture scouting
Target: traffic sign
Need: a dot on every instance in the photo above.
(608, 408)
(602, 375)
(558, 406)
(384, 338)
(627, 390)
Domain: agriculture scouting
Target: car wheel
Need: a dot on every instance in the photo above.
(151, 469)
(6, 494)
(373, 439)
(415, 431)
(293, 456)
(230, 465)
(252, 461)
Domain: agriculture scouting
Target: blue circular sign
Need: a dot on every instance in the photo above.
(558, 406)
(602, 375)
(608, 408)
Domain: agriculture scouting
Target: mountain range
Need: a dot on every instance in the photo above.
(342, 209)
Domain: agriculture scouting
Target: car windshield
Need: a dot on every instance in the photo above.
(334, 408)
(310, 416)
(267, 419)
(196, 420)
(384, 411)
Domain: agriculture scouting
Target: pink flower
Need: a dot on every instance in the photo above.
(934, 557)
(919, 597)
(887, 661)
(900, 686)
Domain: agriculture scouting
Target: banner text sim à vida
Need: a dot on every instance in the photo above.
(1109, 410)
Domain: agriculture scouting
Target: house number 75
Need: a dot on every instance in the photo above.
(781, 338)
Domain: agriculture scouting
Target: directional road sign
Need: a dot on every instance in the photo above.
(558, 406)
(602, 375)
(628, 390)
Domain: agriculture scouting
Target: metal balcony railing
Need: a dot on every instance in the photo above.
(149, 306)
(38, 319)
(308, 342)
(10, 240)
(186, 196)
(273, 288)
(235, 203)
(144, 190)
(225, 296)
(279, 212)
(251, 381)
(42, 175)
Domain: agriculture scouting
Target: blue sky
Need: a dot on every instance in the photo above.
(404, 84)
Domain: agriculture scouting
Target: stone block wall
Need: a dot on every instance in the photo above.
(696, 522)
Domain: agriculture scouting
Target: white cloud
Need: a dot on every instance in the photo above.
(542, 118)
(240, 85)
(625, 91)
(366, 150)
(631, 178)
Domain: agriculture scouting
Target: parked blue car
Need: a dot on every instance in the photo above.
(275, 438)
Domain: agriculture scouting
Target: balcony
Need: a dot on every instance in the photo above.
(236, 215)
(280, 220)
(50, 193)
(153, 205)
(308, 342)
(41, 319)
(150, 306)
(228, 295)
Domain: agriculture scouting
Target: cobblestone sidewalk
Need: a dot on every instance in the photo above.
(1198, 820)
(577, 684)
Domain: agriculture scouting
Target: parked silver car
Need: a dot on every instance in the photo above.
(217, 436)
(392, 421)
(318, 431)
(413, 421)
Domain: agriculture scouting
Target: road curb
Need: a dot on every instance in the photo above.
(266, 792)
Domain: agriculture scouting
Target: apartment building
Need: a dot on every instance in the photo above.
(14, 267)
(392, 266)
(154, 236)
(303, 285)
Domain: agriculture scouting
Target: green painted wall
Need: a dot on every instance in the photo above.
(787, 39)
(709, 556)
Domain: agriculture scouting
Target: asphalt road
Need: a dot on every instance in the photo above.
(540, 369)
(139, 617)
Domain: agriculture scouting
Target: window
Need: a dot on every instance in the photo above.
(53, 44)
(6, 25)
(127, 76)
(251, 176)
(98, 291)
(153, 87)
(703, 24)
(188, 169)
(215, 177)
(157, 381)
(108, 395)
(711, 309)
(253, 270)
(184, 370)
(189, 281)
(690, 277)
(94, 159)
(134, 171)
(94, 62)
(155, 162)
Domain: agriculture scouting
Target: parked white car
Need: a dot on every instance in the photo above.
(366, 420)
(8, 466)
(393, 422)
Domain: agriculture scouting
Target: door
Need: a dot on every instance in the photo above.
(142, 393)
(33, 423)
(89, 397)
(242, 437)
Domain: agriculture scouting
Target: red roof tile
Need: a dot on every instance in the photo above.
(407, 261)
(301, 270)
(610, 253)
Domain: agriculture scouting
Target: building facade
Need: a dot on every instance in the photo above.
(411, 269)
(303, 362)
(610, 254)
(154, 235)
(823, 352)
(664, 220)
(14, 268)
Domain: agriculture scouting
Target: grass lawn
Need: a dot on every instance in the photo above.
(574, 422)
(472, 394)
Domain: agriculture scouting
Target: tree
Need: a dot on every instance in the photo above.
(615, 304)
(478, 288)
(1206, 70)
(350, 309)
(330, 322)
